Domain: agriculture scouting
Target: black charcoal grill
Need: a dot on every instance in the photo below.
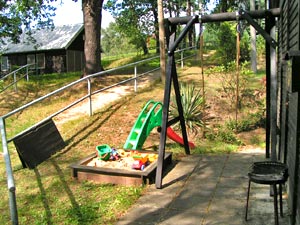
(269, 173)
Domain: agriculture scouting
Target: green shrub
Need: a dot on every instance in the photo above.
(222, 134)
(248, 123)
(193, 107)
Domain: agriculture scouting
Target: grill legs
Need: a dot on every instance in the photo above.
(275, 195)
(276, 204)
(247, 204)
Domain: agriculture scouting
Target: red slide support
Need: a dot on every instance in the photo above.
(175, 137)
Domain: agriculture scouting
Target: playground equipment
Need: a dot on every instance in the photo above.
(175, 137)
(149, 117)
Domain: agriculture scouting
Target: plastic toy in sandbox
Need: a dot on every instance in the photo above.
(133, 159)
(141, 160)
(105, 153)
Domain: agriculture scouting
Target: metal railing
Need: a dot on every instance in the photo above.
(90, 93)
(183, 57)
(16, 79)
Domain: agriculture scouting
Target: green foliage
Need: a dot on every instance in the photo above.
(222, 134)
(260, 46)
(226, 50)
(248, 123)
(30, 14)
(193, 107)
(227, 132)
(136, 19)
(113, 41)
(216, 147)
(222, 37)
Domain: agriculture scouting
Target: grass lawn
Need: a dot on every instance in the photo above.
(49, 195)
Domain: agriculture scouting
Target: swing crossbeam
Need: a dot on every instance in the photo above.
(222, 17)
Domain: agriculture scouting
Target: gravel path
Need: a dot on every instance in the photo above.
(104, 98)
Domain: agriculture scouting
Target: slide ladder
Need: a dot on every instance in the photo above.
(150, 117)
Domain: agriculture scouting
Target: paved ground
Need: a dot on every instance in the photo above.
(206, 190)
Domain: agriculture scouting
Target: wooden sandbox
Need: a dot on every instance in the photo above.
(115, 172)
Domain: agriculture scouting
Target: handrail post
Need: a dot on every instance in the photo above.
(15, 82)
(135, 80)
(90, 96)
(27, 76)
(9, 174)
(181, 54)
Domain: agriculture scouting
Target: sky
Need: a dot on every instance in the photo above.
(70, 12)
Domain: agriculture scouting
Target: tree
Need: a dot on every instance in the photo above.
(136, 19)
(19, 14)
(92, 16)
(173, 8)
(114, 42)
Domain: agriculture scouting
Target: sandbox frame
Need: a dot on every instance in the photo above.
(82, 172)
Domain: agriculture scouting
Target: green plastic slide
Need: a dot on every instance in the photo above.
(150, 117)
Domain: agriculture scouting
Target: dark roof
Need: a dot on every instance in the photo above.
(46, 39)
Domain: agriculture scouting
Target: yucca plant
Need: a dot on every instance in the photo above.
(193, 108)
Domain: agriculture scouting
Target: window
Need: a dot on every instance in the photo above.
(4, 63)
(40, 60)
(31, 60)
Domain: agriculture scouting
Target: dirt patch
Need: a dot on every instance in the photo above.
(252, 137)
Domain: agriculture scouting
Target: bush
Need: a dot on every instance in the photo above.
(248, 123)
(193, 107)
(222, 134)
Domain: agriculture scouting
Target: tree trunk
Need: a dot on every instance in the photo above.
(253, 42)
(92, 14)
(189, 13)
(145, 47)
(169, 8)
(161, 39)
(155, 14)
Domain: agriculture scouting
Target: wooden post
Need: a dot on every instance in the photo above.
(268, 79)
(238, 38)
(273, 91)
(171, 75)
(165, 113)
(162, 43)
(253, 42)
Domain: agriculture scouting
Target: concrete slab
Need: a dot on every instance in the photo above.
(182, 217)
(207, 190)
